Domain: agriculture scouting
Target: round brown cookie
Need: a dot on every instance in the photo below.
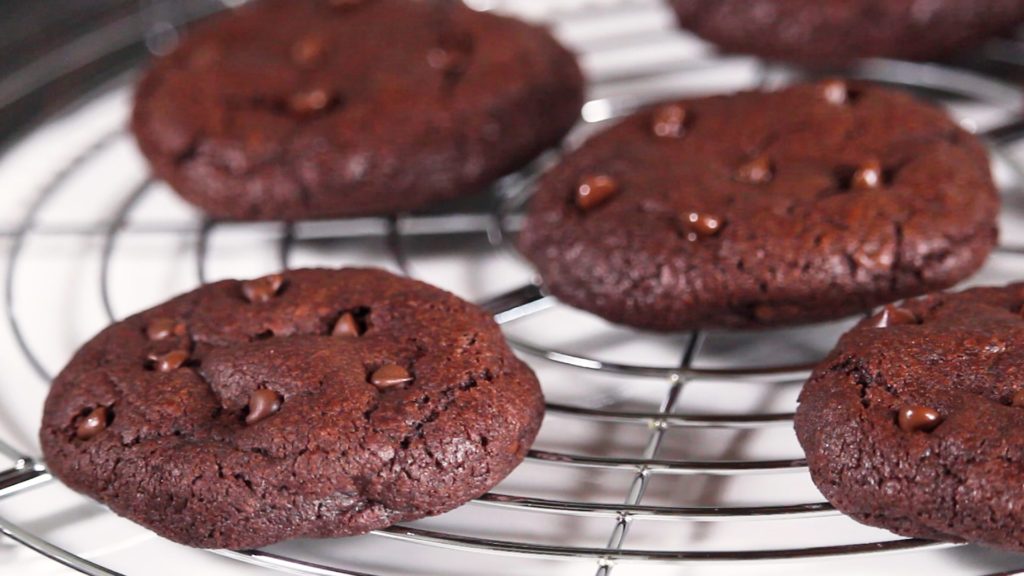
(764, 208)
(915, 422)
(292, 109)
(822, 33)
(313, 403)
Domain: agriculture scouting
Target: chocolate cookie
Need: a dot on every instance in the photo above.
(764, 208)
(312, 403)
(292, 109)
(822, 33)
(915, 422)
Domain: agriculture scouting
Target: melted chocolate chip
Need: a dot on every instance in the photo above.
(309, 50)
(699, 225)
(835, 91)
(595, 190)
(919, 419)
(262, 290)
(893, 316)
(448, 60)
(452, 53)
(756, 171)
(347, 325)
(389, 376)
(162, 328)
(867, 176)
(309, 101)
(170, 361)
(92, 423)
(262, 403)
(669, 121)
(994, 348)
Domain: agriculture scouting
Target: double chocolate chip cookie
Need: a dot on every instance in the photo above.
(829, 32)
(764, 208)
(311, 403)
(294, 109)
(915, 422)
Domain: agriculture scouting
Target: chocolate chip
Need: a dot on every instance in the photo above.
(452, 53)
(593, 191)
(162, 328)
(835, 91)
(448, 60)
(918, 419)
(390, 375)
(867, 176)
(170, 361)
(994, 348)
(92, 423)
(893, 316)
(1017, 399)
(669, 121)
(756, 171)
(309, 101)
(347, 325)
(308, 50)
(262, 403)
(699, 225)
(262, 290)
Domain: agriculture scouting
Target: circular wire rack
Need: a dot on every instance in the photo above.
(658, 417)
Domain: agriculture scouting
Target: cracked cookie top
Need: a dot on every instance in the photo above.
(913, 422)
(764, 208)
(295, 109)
(310, 403)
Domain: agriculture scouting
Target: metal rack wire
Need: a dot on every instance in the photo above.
(497, 223)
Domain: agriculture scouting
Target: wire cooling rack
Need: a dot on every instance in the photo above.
(659, 453)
